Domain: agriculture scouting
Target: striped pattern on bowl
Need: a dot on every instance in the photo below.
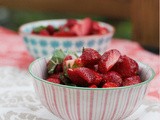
(77, 103)
(40, 46)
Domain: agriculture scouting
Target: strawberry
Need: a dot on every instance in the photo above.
(131, 80)
(54, 80)
(55, 75)
(95, 26)
(90, 57)
(126, 67)
(103, 31)
(50, 29)
(83, 27)
(86, 26)
(77, 29)
(109, 85)
(64, 34)
(97, 29)
(68, 57)
(78, 63)
(92, 86)
(71, 22)
(44, 32)
(58, 68)
(108, 60)
(84, 76)
(113, 77)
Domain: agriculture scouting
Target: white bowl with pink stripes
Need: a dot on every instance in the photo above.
(79, 103)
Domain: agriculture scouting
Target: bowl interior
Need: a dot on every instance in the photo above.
(38, 70)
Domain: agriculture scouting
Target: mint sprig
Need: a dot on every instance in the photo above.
(56, 59)
(38, 29)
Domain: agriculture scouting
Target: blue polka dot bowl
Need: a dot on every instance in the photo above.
(39, 46)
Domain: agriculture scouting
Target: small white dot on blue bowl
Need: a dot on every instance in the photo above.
(43, 43)
(67, 44)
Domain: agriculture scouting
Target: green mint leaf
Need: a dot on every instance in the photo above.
(38, 29)
(56, 59)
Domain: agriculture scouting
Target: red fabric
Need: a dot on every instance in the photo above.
(14, 53)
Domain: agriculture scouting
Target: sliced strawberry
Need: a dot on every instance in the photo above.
(131, 80)
(78, 63)
(113, 77)
(86, 26)
(55, 75)
(95, 26)
(77, 29)
(126, 67)
(65, 64)
(109, 85)
(92, 86)
(71, 22)
(103, 31)
(83, 27)
(64, 34)
(97, 29)
(44, 32)
(108, 60)
(68, 57)
(84, 76)
(90, 57)
(50, 29)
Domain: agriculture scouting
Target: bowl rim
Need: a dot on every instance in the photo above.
(21, 32)
(86, 88)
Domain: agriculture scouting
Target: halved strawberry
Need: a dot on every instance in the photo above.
(108, 60)
(112, 76)
(90, 57)
(109, 85)
(83, 27)
(76, 29)
(97, 29)
(131, 80)
(84, 76)
(103, 30)
(126, 67)
(64, 34)
(71, 22)
(86, 26)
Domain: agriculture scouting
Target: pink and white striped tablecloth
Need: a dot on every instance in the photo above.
(13, 55)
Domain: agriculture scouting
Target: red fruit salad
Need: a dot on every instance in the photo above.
(92, 70)
(72, 28)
